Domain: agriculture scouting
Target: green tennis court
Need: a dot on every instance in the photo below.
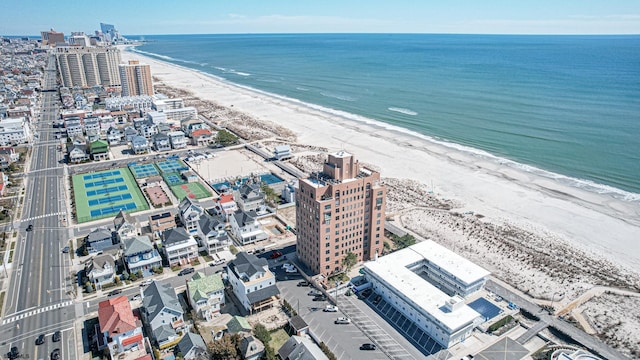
(192, 190)
(103, 194)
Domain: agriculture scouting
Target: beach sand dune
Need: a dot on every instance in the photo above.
(538, 234)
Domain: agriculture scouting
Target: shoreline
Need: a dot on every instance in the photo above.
(598, 224)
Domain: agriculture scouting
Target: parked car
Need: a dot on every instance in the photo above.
(136, 297)
(330, 308)
(342, 320)
(367, 347)
(115, 292)
(314, 292)
(275, 254)
(30, 227)
(291, 270)
(13, 353)
(286, 266)
(55, 354)
(320, 298)
(65, 250)
(56, 336)
(40, 339)
(146, 282)
(303, 283)
(186, 271)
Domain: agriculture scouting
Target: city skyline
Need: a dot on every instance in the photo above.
(405, 16)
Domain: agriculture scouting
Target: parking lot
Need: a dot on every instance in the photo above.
(344, 340)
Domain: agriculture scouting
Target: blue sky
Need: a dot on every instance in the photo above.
(29, 17)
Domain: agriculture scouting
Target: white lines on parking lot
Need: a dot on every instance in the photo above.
(36, 311)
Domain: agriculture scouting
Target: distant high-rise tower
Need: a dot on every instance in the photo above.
(109, 32)
(339, 211)
(84, 66)
(136, 79)
(52, 37)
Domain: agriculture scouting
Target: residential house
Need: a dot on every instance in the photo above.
(179, 247)
(178, 140)
(299, 326)
(161, 142)
(254, 285)
(165, 336)
(191, 347)
(191, 125)
(189, 212)
(125, 226)
(162, 309)
(99, 239)
(92, 136)
(78, 153)
(101, 270)
(139, 144)
(118, 328)
(225, 205)
(106, 122)
(129, 133)
(4, 182)
(289, 193)
(249, 196)
(8, 156)
(92, 125)
(140, 255)
(73, 126)
(202, 137)
(246, 228)
(282, 152)
(212, 236)
(302, 348)
(148, 129)
(161, 222)
(114, 136)
(99, 150)
(206, 294)
(251, 348)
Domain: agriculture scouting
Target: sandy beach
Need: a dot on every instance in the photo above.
(541, 236)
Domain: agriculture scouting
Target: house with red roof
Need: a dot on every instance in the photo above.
(201, 137)
(119, 328)
(225, 205)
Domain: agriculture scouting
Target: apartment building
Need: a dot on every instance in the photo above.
(135, 78)
(339, 211)
(88, 66)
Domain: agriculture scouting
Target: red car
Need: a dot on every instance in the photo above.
(275, 255)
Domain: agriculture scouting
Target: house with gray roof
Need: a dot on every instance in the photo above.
(251, 348)
(179, 246)
(99, 240)
(246, 227)
(191, 347)
(254, 285)
(212, 237)
(129, 133)
(189, 212)
(249, 196)
(78, 153)
(300, 348)
(140, 144)
(161, 142)
(140, 255)
(164, 334)
(161, 307)
(125, 226)
(101, 270)
(206, 294)
(114, 136)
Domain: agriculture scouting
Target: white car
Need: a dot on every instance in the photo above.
(137, 297)
(146, 282)
(330, 308)
(291, 270)
(342, 320)
(286, 266)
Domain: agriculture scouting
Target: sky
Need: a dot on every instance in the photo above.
(144, 17)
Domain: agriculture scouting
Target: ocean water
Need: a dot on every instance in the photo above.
(567, 107)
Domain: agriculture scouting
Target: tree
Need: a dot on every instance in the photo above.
(226, 348)
(404, 241)
(349, 261)
(261, 332)
(271, 195)
(226, 138)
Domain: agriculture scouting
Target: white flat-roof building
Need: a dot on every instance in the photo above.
(427, 282)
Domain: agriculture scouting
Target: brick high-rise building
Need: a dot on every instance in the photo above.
(340, 210)
(52, 37)
(136, 79)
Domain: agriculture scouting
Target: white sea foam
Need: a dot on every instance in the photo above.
(338, 96)
(575, 182)
(403, 111)
(301, 88)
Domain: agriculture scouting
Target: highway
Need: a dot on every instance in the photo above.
(39, 299)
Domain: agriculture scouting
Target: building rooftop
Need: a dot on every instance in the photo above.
(116, 317)
(394, 270)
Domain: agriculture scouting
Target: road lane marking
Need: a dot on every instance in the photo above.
(30, 313)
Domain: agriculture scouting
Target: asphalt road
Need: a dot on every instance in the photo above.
(37, 300)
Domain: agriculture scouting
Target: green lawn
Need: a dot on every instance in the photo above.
(278, 338)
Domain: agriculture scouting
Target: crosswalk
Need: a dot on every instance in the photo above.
(11, 319)
(44, 216)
